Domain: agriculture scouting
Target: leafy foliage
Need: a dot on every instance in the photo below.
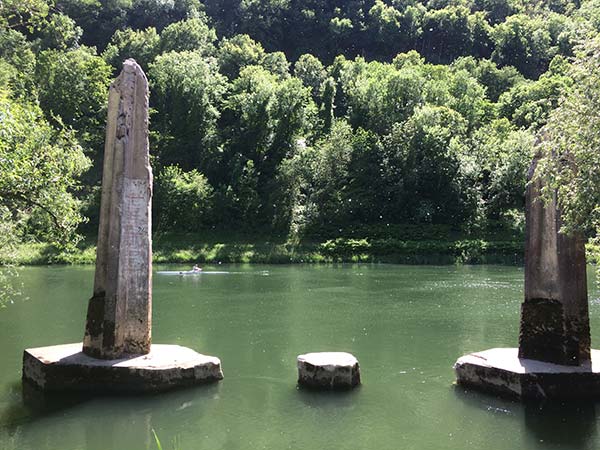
(569, 145)
(39, 166)
(183, 200)
(191, 34)
(301, 118)
(72, 89)
(143, 46)
(187, 92)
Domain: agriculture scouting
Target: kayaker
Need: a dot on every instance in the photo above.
(197, 268)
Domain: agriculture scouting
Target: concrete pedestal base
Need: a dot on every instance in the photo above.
(65, 367)
(328, 370)
(500, 371)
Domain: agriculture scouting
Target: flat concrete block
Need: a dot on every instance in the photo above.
(66, 367)
(501, 371)
(328, 370)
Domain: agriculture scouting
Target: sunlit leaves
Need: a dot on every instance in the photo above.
(238, 52)
(192, 34)
(187, 94)
(39, 166)
(183, 200)
(141, 45)
(570, 143)
(23, 14)
(73, 86)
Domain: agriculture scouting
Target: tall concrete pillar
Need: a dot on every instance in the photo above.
(554, 316)
(117, 354)
(119, 312)
(554, 360)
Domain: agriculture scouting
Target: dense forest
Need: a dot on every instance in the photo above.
(296, 118)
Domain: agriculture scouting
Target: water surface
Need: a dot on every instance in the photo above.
(406, 324)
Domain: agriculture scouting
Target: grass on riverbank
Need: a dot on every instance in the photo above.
(202, 248)
(405, 245)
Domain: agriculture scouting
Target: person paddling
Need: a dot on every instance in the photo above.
(196, 268)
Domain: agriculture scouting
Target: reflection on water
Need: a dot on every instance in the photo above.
(407, 325)
(561, 424)
(334, 401)
(569, 425)
(37, 404)
(489, 403)
(101, 422)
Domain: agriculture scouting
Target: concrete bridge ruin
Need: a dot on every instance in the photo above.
(117, 353)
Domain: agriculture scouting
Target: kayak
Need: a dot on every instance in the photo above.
(189, 272)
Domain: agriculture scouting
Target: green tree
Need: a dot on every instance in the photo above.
(326, 111)
(502, 154)
(60, 32)
(277, 64)
(39, 170)
(367, 191)
(73, 86)
(310, 70)
(264, 20)
(99, 19)
(498, 10)
(321, 176)
(378, 95)
(468, 98)
(266, 119)
(524, 43)
(570, 142)
(237, 203)
(23, 15)
(449, 32)
(187, 93)
(495, 80)
(190, 34)
(159, 13)
(183, 200)
(425, 155)
(589, 12)
(143, 46)
(385, 23)
(18, 61)
(226, 14)
(528, 104)
(238, 52)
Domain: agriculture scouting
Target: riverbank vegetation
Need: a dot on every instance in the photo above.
(322, 130)
(193, 248)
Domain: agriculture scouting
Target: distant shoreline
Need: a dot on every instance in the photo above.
(384, 250)
(193, 248)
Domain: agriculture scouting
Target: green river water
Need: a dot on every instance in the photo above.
(406, 325)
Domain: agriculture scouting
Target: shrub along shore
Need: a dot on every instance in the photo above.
(400, 244)
(193, 248)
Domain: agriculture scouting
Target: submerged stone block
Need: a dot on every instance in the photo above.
(501, 371)
(66, 367)
(328, 370)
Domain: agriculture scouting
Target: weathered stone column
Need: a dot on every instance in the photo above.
(554, 316)
(116, 354)
(554, 360)
(119, 312)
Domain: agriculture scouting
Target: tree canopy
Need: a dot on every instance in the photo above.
(569, 145)
(301, 118)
